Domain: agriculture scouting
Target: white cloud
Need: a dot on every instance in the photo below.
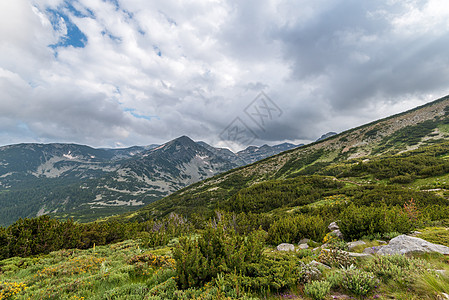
(151, 70)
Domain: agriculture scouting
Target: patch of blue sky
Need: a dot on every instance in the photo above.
(133, 112)
(115, 2)
(72, 37)
(169, 20)
(157, 50)
(22, 126)
(87, 13)
(129, 15)
(111, 36)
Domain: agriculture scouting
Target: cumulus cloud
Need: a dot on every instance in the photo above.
(118, 73)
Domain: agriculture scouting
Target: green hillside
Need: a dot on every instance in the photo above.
(401, 152)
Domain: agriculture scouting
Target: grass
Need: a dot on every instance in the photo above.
(330, 200)
(80, 274)
(369, 244)
(436, 235)
(126, 271)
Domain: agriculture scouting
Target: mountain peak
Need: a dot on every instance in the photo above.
(326, 135)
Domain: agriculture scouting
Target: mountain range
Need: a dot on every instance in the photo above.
(69, 180)
(404, 152)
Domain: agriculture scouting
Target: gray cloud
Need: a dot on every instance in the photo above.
(151, 71)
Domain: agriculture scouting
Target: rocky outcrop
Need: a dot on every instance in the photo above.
(285, 247)
(405, 244)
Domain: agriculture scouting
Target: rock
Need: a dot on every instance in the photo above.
(285, 247)
(303, 246)
(333, 226)
(352, 245)
(338, 233)
(318, 264)
(443, 296)
(303, 241)
(353, 254)
(381, 242)
(372, 250)
(405, 244)
(324, 246)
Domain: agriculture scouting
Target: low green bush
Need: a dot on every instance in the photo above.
(317, 290)
(399, 268)
(358, 281)
(335, 258)
(217, 250)
(356, 222)
(291, 229)
(308, 273)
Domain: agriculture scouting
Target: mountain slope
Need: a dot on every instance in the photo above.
(388, 138)
(86, 183)
(253, 153)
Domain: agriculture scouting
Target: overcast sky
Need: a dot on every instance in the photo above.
(135, 72)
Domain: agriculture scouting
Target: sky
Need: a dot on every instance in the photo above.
(116, 73)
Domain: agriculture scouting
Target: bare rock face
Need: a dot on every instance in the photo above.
(405, 244)
(285, 247)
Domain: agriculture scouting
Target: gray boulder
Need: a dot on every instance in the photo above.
(304, 241)
(352, 245)
(352, 254)
(318, 264)
(285, 247)
(333, 226)
(303, 246)
(338, 233)
(443, 296)
(372, 250)
(405, 244)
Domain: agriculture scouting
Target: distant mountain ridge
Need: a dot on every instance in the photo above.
(325, 136)
(70, 180)
(252, 153)
(423, 126)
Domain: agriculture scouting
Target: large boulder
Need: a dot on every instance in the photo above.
(285, 247)
(405, 244)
